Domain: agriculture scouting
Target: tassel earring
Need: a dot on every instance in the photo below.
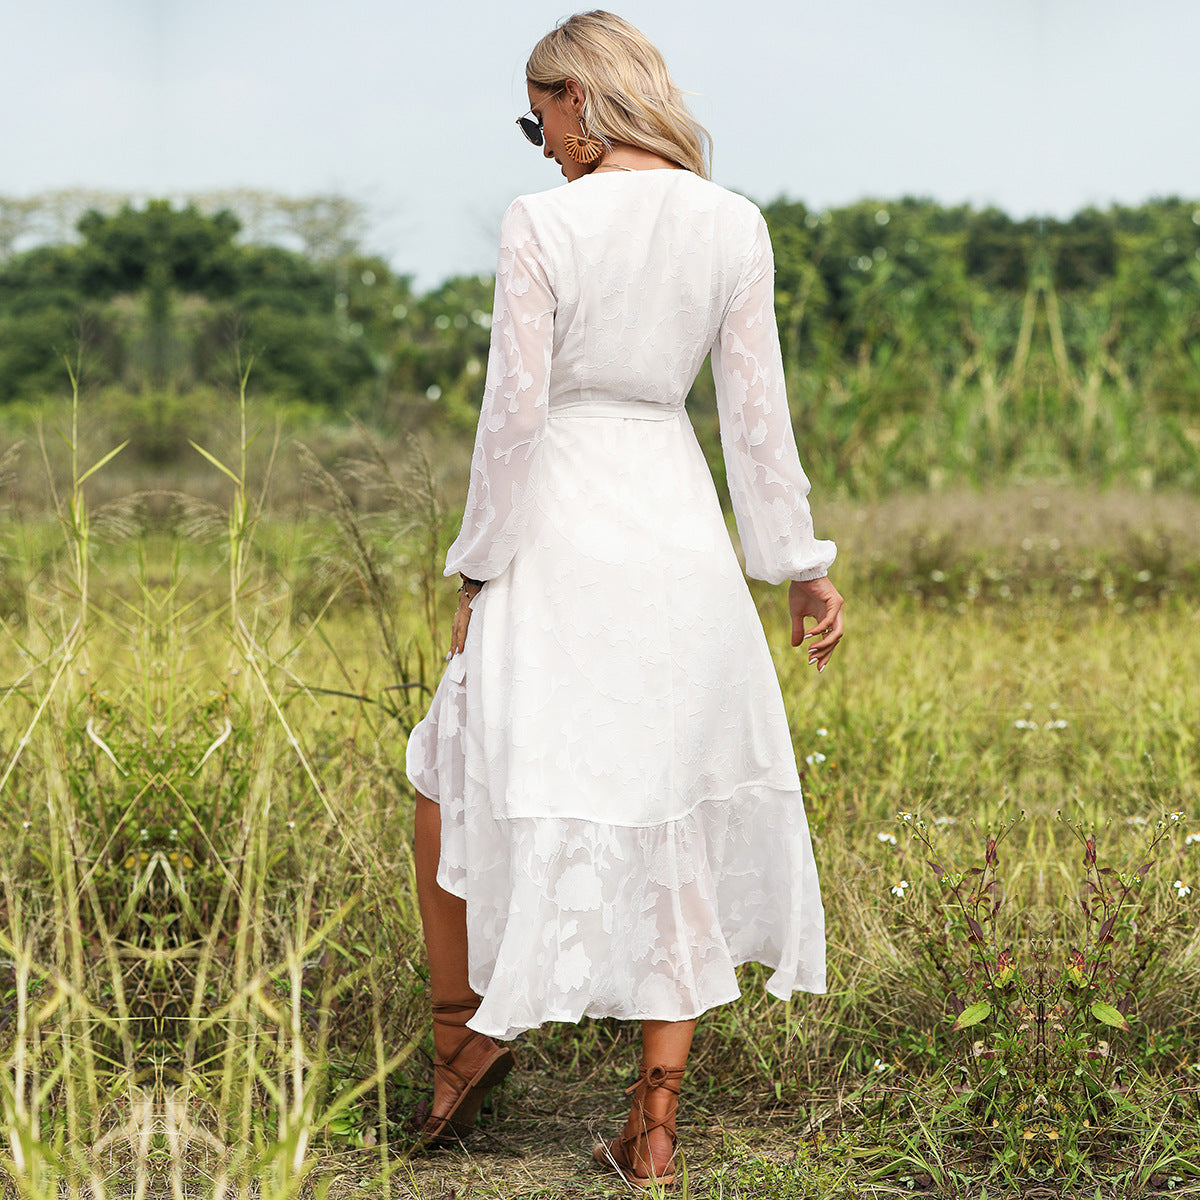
(583, 149)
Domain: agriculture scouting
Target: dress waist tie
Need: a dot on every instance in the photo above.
(633, 410)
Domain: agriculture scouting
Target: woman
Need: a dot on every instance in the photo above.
(609, 816)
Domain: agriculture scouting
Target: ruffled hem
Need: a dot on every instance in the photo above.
(571, 917)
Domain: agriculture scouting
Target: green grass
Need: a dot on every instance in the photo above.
(213, 978)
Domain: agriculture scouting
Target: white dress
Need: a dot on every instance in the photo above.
(619, 798)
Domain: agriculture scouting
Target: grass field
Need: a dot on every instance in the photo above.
(213, 980)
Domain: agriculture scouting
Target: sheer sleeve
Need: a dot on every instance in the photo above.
(512, 418)
(767, 485)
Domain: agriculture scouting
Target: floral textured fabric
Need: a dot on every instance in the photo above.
(620, 804)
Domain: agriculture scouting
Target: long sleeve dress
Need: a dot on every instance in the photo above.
(620, 803)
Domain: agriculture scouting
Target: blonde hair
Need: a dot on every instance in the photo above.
(629, 95)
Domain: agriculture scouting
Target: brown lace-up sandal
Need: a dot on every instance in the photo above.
(619, 1155)
(472, 1086)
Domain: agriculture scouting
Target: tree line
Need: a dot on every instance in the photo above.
(896, 317)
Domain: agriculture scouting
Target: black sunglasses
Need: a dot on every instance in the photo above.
(531, 126)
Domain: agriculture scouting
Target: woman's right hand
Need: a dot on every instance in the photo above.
(462, 617)
(816, 598)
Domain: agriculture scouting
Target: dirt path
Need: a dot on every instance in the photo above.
(537, 1143)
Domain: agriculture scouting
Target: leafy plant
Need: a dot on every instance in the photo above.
(1039, 1004)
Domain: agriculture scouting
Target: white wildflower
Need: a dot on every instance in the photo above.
(812, 759)
(1181, 889)
(822, 732)
(889, 838)
(898, 889)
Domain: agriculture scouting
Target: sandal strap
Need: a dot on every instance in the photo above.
(658, 1077)
(455, 1016)
(447, 1064)
(446, 1013)
(648, 1126)
(649, 1080)
(617, 1153)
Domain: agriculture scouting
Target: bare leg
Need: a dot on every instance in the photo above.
(444, 919)
(666, 1043)
(443, 915)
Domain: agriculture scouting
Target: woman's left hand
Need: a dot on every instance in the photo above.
(820, 599)
(462, 617)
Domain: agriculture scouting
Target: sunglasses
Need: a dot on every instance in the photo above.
(531, 125)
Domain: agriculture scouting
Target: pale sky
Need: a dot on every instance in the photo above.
(1033, 105)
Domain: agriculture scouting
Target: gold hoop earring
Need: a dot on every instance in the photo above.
(583, 149)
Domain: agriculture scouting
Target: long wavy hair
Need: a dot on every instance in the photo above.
(629, 95)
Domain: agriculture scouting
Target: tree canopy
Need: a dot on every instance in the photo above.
(886, 308)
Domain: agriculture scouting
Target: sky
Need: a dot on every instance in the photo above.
(1035, 106)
